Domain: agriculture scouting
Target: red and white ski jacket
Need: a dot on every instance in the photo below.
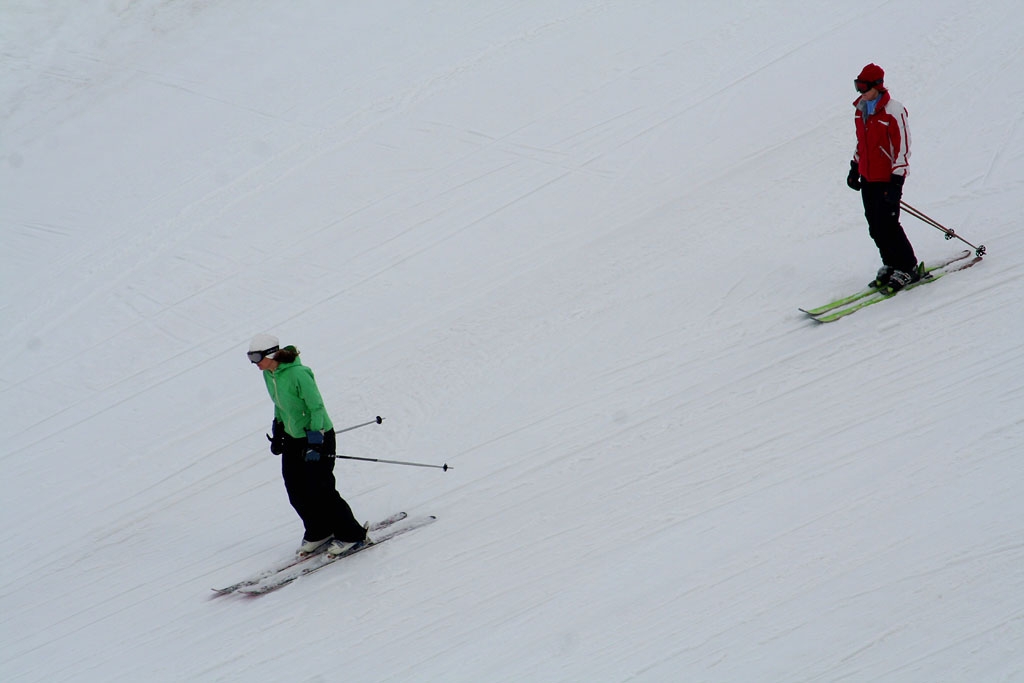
(883, 139)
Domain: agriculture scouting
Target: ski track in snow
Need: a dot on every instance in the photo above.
(559, 248)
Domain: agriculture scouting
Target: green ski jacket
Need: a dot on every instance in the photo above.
(297, 401)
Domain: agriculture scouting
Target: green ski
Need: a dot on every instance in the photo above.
(870, 291)
(848, 305)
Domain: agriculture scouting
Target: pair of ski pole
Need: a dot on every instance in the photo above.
(950, 233)
(376, 421)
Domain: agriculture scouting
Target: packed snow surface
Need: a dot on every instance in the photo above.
(559, 246)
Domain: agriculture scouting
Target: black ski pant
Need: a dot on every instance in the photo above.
(884, 227)
(312, 492)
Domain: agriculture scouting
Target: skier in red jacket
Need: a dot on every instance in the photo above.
(878, 170)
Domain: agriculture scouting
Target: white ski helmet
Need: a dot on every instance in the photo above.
(263, 346)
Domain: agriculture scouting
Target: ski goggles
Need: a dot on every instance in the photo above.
(864, 86)
(257, 356)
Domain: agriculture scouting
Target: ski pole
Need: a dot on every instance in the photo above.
(444, 467)
(375, 421)
(950, 233)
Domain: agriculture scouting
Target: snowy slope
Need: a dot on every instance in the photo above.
(559, 246)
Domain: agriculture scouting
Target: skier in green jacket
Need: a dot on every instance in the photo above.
(303, 436)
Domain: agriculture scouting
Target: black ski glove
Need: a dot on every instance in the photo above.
(314, 442)
(894, 192)
(853, 180)
(277, 440)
